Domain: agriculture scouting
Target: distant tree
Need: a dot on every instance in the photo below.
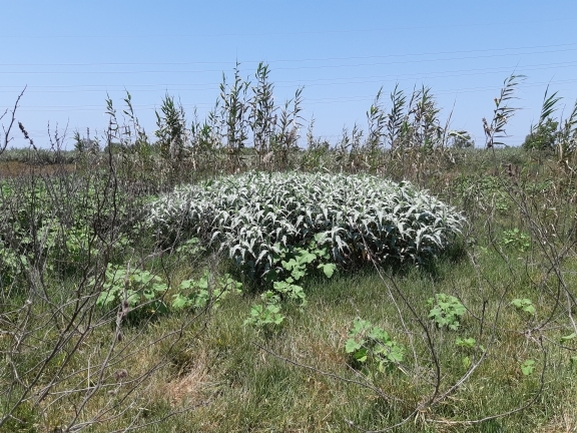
(461, 140)
(85, 144)
(543, 136)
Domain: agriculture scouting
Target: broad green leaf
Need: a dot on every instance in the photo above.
(361, 355)
(352, 345)
(527, 367)
(328, 269)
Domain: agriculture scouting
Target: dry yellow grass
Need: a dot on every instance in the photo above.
(191, 385)
(11, 169)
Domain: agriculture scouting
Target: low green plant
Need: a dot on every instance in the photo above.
(468, 345)
(141, 290)
(524, 304)
(368, 343)
(293, 265)
(446, 311)
(205, 291)
(527, 367)
(517, 239)
(266, 316)
(290, 291)
(12, 265)
(297, 261)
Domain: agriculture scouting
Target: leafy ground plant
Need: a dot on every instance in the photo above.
(446, 311)
(469, 346)
(517, 239)
(267, 315)
(287, 279)
(205, 291)
(525, 305)
(140, 290)
(369, 343)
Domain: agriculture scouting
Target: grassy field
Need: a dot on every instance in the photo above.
(111, 321)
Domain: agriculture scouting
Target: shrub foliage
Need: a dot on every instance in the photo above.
(253, 216)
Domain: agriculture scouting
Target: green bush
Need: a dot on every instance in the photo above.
(254, 216)
(543, 136)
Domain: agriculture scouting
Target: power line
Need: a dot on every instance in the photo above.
(501, 25)
(312, 101)
(292, 68)
(292, 83)
(434, 53)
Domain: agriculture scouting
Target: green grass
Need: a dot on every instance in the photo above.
(212, 373)
(299, 378)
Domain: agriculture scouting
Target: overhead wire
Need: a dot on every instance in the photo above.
(151, 35)
(292, 68)
(433, 53)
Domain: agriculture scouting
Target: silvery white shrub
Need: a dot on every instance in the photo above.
(252, 215)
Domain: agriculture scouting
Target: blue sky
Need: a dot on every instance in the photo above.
(71, 54)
